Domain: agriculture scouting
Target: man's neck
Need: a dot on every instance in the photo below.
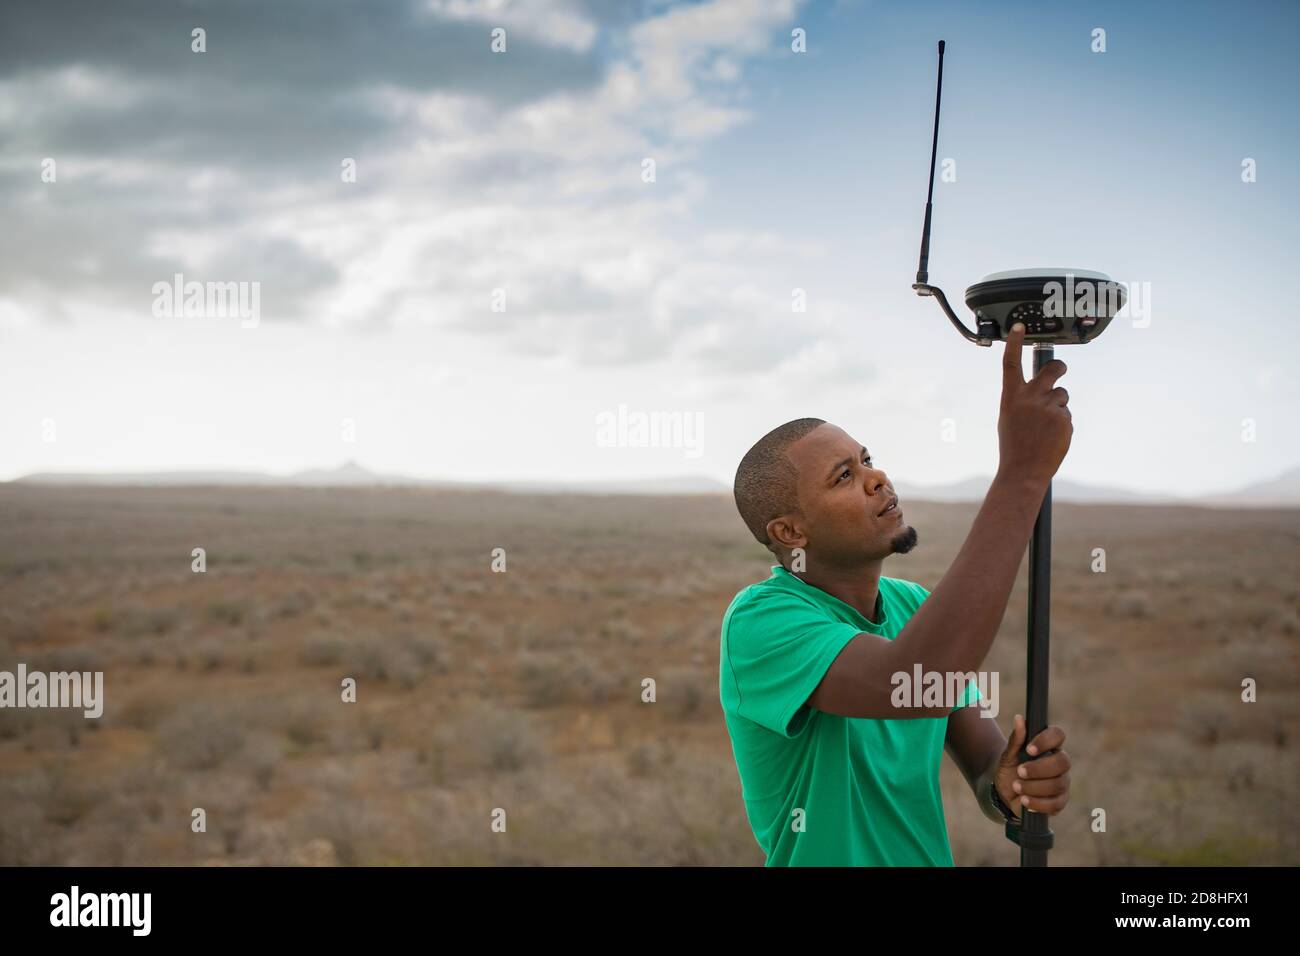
(858, 587)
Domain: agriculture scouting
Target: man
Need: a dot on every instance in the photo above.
(836, 769)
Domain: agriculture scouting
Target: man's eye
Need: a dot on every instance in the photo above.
(846, 473)
(867, 461)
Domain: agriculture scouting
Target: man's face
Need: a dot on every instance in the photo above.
(842, 496)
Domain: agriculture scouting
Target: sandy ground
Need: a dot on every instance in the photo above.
(516, 696)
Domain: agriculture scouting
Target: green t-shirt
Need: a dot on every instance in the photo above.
(820, 789)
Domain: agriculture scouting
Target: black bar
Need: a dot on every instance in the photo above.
(232, 906)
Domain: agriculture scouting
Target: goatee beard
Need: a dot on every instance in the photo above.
(904, 541)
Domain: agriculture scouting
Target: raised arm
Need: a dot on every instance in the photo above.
(954, 627)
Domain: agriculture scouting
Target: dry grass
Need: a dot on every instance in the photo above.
(518, 696)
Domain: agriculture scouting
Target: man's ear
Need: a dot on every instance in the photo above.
(786, 532)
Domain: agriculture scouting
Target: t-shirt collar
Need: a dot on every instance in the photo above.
(825, 596)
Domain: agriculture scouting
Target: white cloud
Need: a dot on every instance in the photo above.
(465, 194)
(546, 201)
(554, 22)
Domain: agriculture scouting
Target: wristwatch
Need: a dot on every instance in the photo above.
(1007, 814)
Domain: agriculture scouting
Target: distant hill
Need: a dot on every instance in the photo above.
(677, 485)
(1283, 491)
(974, 489)
(197, 477)
(351, 474)
(348, 473)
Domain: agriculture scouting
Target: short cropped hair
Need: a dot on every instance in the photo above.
(766, 481)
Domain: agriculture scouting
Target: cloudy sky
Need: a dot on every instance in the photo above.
(501, 274)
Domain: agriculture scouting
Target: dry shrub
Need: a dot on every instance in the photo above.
(308, 721)
(385, 660)
(16, 723)
(351, 830)
(230, 613)
(73, 657)
(292, 605)
(210, 654)
(545, 680)
(201, 736)
(261, 757)
(1135, 604)
(148, 621)
(683, 691)
(494, 740)
(429, 651)
(68, 799)
(24, 836)
(322, 650)
(145, 710)
(648, 759)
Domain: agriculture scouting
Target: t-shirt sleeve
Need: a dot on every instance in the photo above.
(969, 696)
(971, 693)
(779, 648)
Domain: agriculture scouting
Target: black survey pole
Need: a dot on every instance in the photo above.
(996, 301)
(1035, 836)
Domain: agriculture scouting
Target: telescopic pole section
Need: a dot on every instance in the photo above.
(1035, 837)
(923, 265)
